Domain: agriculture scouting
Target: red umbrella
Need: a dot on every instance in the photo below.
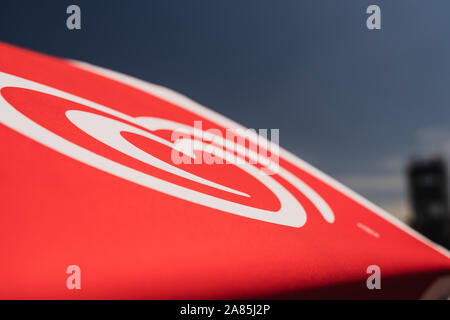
(113, 187)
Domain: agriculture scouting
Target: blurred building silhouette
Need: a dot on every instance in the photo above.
(427, 180)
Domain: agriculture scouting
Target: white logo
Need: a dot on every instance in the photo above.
(108, 131)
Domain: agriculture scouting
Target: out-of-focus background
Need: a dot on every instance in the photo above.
(366, 106)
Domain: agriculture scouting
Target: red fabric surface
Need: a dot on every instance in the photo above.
(134, 242)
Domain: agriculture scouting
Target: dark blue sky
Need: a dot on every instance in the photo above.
(355, 103)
